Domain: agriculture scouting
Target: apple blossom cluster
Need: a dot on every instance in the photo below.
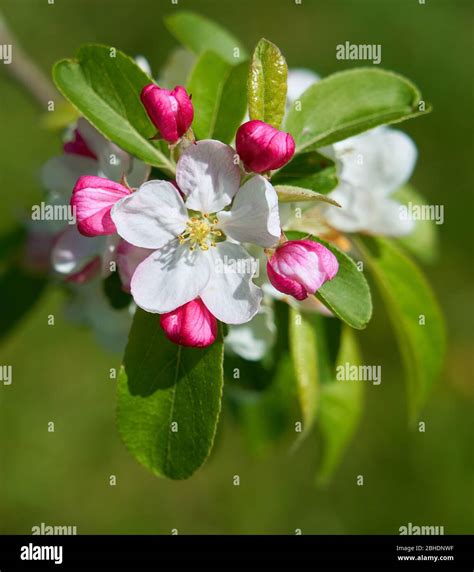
(181, 246)
(188, 248)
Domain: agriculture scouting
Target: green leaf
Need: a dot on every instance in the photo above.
(200, 34)
(233, 105)
(423, 241)
(289, 194)
(303, 350)
(266, 86)
(106, 90)
(114, 292)
(308, 170)
(349, 102)
(409, 301)
(218, 91)
(347, 295)
(340, 409)
(161, 383)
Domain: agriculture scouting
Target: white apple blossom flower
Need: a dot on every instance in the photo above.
(196, 241)
(88, 154)
(253, 340)
(98, 157)
(372, 166)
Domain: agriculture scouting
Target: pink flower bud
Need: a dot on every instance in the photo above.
(300, 267)
(93, 198)
(262, 147)
(78, 146)
(190, 325)
(170, 111)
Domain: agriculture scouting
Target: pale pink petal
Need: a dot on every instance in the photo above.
(230, 293)
(72, 251)
(128, 258)
(170, 277)
(254, 215)
(208, 175)
(151, 216)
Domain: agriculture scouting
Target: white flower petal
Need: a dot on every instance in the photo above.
(254, 215)
(230, 293)
(137, 173)
(151, 216)
(143, 64)
(253, 339)
(207, 174)
(113, 162)
(361, 211)
(379, 161)
(354, 214)
(299, 79)
(60, 174)
(386, 220)
(72, 251)
(109, 253)
(169, 278)
(95, 141)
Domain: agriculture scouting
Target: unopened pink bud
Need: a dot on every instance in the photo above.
(93, 198)
(78, 146)
(170, 111)
(190, 325)
(301, 267)
(262, 147)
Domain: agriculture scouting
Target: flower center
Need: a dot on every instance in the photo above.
(200, 232)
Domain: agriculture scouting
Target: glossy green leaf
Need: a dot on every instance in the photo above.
(303, 350)
(233, 105)
(268, 73)
(340, 409)
(289, 194)
(308, 170)
(218, 92)
(349, 102)
(347, 295)
(200, 34)
(104, 85)
(415, 316)
(169, 399)
(423, 242)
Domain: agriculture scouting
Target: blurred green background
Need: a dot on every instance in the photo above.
(61, 375)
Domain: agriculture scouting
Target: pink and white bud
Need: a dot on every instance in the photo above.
(92, 199)
(171, 112)
(301, 267)
(78, 146)
(262, 147)
(190, 325)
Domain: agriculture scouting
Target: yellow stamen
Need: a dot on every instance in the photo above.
(200, 232)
